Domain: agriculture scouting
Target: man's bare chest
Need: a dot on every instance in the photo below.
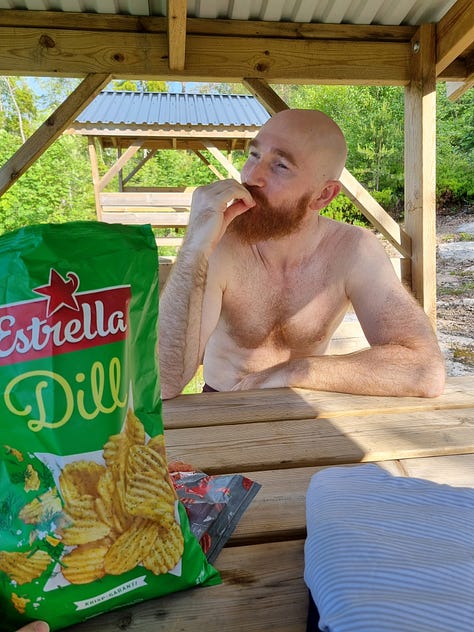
(295, 315)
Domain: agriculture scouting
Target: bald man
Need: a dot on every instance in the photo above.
(263, 280)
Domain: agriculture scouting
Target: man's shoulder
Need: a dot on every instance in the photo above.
(339, 229)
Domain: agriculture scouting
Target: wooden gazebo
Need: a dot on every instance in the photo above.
(412, 44)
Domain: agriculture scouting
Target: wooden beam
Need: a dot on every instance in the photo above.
(165, 219)
(454, 33)
(95, 175)
(219, 156)
(203, 26)
(377, 215)
(142, 162)
(177, 10)
(265, 94)
(208, 164)
(456, 90)
(124, 158)
(420, 163)
(61, 52)
(51, 129)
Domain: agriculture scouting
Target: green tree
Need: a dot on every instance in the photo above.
(455, 149)
(138, 86)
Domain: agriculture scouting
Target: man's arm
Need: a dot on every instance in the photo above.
(404, 358)
(183, 335)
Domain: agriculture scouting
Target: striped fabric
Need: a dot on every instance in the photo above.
(389, 554)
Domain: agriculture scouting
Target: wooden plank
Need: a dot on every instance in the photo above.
(455, 90)
(265, 95)
(95, 175)
(264, 578)
(202, 409)
(454, 33)
(420, 164)
(117, 166)
(264, 519)
(176, 15)
(137, 168)
(173, 199)
(219, 156)
(169, 241)
(51, 129)
(142, 55)
(377, 215)
(170, 220)
(203, 26)
(455, 470)
(309, 442)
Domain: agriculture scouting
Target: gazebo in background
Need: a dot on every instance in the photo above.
(145, 123)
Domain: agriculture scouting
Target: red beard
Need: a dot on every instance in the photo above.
(265, 221)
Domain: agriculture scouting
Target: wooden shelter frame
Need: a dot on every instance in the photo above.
(159, 206)
(100, 47)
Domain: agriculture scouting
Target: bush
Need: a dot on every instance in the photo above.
(343, 210)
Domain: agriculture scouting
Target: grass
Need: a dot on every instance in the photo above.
(450, 237)
(464, 288)
(466, 356)
(195, 385)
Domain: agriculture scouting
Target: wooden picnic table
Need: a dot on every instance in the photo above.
(280, 438)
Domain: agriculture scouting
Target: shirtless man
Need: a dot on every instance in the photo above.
(263, 280)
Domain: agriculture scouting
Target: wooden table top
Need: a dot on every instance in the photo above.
(280, 438)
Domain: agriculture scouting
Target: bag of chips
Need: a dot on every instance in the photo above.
(89, 519)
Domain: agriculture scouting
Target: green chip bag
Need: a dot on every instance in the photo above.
(89, 520)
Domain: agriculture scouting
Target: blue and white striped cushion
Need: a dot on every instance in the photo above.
(389, 554)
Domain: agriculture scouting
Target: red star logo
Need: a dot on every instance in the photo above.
(60, 292)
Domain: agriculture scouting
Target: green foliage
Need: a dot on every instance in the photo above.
(343, 210)
(138, 86)
(455, 149)
(58, 187)
(371, 118)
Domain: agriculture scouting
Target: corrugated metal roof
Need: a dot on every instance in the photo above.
(386, 12)
(166, 108)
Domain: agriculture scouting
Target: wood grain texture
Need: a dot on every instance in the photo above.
(323, 441)
(62, 52)
(190, 411)
(263, 589)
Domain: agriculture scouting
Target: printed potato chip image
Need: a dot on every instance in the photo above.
(131, 547)
(80, 478)
(42, 508)
(85, 564)
(167, 550)
(19, 602)
(23, 567)
(32, 481)
(134, 429)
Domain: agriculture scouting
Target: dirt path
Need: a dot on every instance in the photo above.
(455, 286)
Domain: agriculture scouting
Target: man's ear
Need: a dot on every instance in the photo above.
(327, 193)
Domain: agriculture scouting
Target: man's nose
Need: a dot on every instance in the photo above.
(254, 174)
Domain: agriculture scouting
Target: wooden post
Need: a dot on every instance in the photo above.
(420, 166)
(95, 175)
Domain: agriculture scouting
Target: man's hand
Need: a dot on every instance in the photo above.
(213, 207)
